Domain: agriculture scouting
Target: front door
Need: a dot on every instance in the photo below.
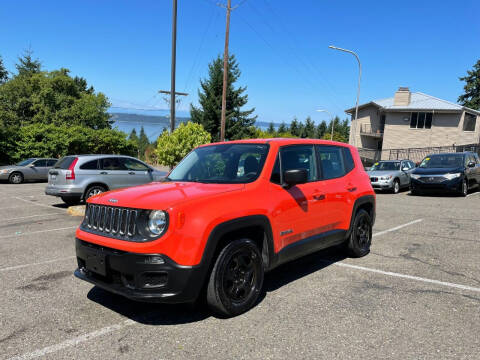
(138, 172)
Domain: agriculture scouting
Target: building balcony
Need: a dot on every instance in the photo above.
(367, 130)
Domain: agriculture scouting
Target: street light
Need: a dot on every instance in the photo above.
(359, 78)
(331, 120)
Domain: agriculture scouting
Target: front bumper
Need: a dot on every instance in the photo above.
(382, 184)
(5, 176)
(140, 277)
(454, 185)
(63, 191)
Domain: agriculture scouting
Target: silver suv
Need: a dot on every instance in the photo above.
(77, 177)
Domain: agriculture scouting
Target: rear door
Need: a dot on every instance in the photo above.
(40, 169)
(114, 173)
(139, 173)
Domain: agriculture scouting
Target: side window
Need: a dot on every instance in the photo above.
(113, 164)
(40, 163)
(51, 162)
(91, 165)
(331, 160)
(349, 164)
(300, 157)
(276, 178)
(477, 158)
(134, 165)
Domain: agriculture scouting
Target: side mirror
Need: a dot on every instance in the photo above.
(295, 176)
(471, 164)
(31, 165)
(150, 170)
(405, 169)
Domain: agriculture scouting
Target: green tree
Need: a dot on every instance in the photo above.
(238, 123)
(309, 129)
(143, 143)
(321, 129)
(295, 128)
(336, 137)
(171, 148)
(3, 72)
(471, 96)
(27, 65)
(271, 129)
(282, 128)
(133, 136)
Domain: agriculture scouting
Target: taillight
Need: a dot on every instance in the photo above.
(70, 174)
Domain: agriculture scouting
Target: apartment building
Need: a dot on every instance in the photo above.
(412, 120)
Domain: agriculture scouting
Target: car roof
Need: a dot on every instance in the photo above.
(282, 141)
(452, 153)
(99, 155)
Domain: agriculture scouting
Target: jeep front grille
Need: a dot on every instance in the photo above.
(111, 221)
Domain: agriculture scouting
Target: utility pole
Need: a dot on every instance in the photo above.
(169, 101)
(225, 73)
(174, 61)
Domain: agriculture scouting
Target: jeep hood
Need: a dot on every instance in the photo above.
(161, 195)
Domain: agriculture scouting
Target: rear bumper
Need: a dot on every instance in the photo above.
(140, 277)
(63, 191)
(454, 185)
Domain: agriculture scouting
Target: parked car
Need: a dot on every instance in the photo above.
(226, 214)
(78, 177)
(391, 175)
(450, 172)
(29, 169)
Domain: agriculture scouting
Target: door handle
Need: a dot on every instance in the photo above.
(351, 189)
(319, 196)
(103, 173)
(131, 173)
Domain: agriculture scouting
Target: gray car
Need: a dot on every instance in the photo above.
(29, 169)
(391, 175)
(77, 177)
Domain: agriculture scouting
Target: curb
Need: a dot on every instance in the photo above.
(78, 210)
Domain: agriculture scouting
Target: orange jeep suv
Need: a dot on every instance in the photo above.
(226, 214)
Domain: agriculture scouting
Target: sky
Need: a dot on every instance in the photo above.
(123, 48)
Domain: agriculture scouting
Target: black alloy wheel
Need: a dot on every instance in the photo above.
(361, 236)
(236, 279)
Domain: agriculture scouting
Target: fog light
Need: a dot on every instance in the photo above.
(154, 260)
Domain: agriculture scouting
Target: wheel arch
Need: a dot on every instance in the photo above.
(366, 203)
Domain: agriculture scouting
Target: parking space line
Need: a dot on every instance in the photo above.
(397, 227)
(30, 216)
(409, 277)
(74, 342)
(34, 264)
(38, 232)
(34, 203)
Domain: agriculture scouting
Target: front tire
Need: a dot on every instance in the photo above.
(396, 186)
(16, 178)
(361, 236)
(464, 189)
(236, 279)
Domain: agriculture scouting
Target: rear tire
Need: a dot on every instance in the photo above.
(236, 279)
(70, 201)
(94, 190)
(16, 178)
(360, 239)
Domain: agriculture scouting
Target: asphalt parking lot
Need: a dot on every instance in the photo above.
(415, 296)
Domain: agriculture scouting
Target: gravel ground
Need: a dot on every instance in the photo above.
(415, 296)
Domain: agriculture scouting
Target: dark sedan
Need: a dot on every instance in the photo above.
(455, 172)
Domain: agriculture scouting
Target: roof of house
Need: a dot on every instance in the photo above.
(418, 101)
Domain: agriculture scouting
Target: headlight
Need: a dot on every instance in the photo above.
(415, 176)
(157, 222)
(452, 176)
(5, 171)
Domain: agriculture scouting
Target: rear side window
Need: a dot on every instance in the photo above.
(51, 162)
(331, 161)
(113, 164)
(64, 163)
(90, 165)
(349, 164)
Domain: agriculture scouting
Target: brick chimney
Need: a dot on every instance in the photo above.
(402, 97)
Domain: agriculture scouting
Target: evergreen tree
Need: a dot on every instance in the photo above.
(271, 128)
(282, 128)
(3, 72)
(336, 123)
(309, 129)
(27, 65)
(238, 123)
(321, 129)
(143, 143)
(471, 96)
(301, 129)
(133, 136)
(295, 128)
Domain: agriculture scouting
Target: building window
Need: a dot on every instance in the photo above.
(421, 120)
(469, 122)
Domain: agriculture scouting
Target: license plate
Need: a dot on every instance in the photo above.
(54, 177)
(95, 261)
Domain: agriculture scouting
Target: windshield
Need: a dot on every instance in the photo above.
(442, 161)
(386, 166)
(25, 162)
(222, 164)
